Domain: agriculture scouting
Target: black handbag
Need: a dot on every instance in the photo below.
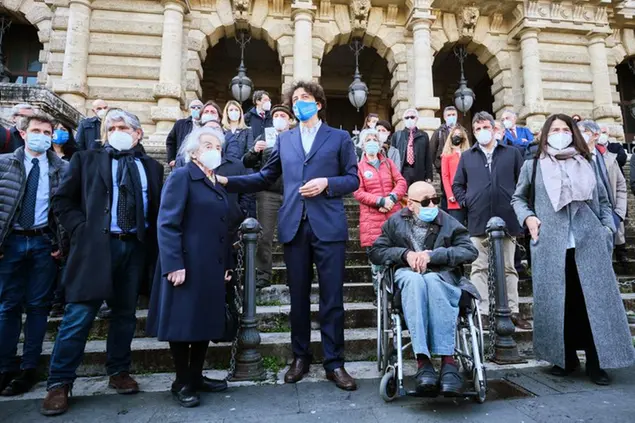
(232, 314)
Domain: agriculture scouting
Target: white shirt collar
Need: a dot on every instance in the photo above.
(306, 130)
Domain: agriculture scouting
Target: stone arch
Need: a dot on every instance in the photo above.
(501, 59)
(623, 49)
(38, 14)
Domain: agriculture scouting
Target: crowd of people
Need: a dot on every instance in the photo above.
(87, 225)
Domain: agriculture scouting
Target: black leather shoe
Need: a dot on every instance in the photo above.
(598, 376)
(57, 310)
(104, 311)
(427, 381)
(21, 384)
(342, 379)
(206, 384)
(262, 283)
(570, 367)
(186, 396)
(451, 381)
(6, 378)
(299, 367)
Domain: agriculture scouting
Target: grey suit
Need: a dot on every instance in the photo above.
(593, 249)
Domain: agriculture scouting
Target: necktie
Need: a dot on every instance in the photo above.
(514, 132)
(126, 210)
(410, 152)
(27, 214)
(262, 115)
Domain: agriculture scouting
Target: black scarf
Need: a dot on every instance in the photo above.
(129, 181)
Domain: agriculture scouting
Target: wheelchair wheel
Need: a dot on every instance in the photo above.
(380, 327)
(386, 332)
(480, 384)
(388, 386)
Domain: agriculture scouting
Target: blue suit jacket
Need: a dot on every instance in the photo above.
(521, 133)
(332, 156)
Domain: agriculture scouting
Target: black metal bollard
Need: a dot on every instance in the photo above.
(249, 361)
(505, 348)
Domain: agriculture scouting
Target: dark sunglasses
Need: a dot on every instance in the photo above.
(426, 201)
(410, 117)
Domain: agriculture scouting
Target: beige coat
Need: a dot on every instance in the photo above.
(618, 191)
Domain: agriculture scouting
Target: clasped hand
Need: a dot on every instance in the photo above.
(418, 261)
(314, 187)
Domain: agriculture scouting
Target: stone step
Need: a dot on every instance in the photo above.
(353, 245)
(152, 356)
(353, 273)
(353, 257)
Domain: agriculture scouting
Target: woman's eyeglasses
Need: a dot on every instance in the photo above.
(426, 201)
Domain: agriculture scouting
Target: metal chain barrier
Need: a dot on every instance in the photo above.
(491, 292)
(238, 288)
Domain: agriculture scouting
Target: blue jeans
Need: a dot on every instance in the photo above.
(27, 275)
(431, 308)
(128, 260)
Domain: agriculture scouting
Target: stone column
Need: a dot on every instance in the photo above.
(603, 107)
(169, 92)
(302, 14)
(72, 87)
(423, 95)
(534, 110)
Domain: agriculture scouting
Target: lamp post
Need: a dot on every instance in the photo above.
(240, 85)
(463, 96)
(357, 91)
(5, 23)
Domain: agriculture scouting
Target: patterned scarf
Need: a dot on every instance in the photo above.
(567, 176)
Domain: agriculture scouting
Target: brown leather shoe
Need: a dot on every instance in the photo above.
(519, 322)
(56, 401)
(299, 367)
(342, 379)
(123, 383)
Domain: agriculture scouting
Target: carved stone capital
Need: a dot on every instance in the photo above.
(303, 10)
(182, 6)
(71, 87)
(167, 90)
(170, 114)
(606, 111)
(419, 16)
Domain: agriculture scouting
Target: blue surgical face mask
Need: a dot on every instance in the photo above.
(60, 136)
(428, 214)
(195, 113)
(371, 147)
(451, 120)
(38, 143)
(305, 110)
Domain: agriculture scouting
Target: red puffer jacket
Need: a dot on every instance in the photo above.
(373, 185)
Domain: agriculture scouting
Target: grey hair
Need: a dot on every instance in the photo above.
(15, 110)
(193, 141)
(196, 102)
(589, 125)
(365, 133)
(411, 109)
(482, 117)
(509, 111)
(121, 115)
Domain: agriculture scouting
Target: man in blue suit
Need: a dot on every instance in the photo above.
(319, 167)
(518, 136)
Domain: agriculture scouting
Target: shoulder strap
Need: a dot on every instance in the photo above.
(532, 185)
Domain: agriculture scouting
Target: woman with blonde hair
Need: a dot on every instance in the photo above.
(238, 136)
(456, 143)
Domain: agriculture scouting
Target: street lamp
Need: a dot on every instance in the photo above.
(463, 96)
(357, 91)
(240, 85)
(5, 23)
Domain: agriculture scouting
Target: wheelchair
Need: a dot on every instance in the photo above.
(468, 350)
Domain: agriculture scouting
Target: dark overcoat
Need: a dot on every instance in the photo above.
(193, 235)
(82, 205)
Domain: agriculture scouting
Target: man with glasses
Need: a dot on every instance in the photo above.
(414, 149)
(428, 247)
(484, 183)
(182, 129)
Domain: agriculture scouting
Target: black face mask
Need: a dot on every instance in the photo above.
(456, 140)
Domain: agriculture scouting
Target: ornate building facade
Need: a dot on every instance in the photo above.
(153, 56)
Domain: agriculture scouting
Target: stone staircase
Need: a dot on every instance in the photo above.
(150, 355)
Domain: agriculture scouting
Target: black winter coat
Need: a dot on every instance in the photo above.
(82, 205)
(258, 124)
(180, 130)
(437, 142)
(487, 194)
(423, 155)
(10, 140)
(255, 161)
(88, 134)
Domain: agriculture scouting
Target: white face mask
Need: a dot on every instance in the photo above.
(560, 140)
(604, 139)
(484, 137)
(233, 115)
(266, 106)
(586, 137)
(372, 124)
(120, 140)
(383, 136)
(210, 159)
(207, 117)
(410, 123)
(280, 124)
(101, 113)
(507, 124)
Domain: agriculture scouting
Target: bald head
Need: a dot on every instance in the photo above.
(420, 190)
(100, 107)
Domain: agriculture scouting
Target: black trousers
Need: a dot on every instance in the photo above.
(577, 329)
(189, 358)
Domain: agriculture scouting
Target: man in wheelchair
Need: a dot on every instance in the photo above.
(428, 248)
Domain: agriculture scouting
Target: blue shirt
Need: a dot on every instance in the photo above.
(115, 195)
(308, 135)
(42, 196)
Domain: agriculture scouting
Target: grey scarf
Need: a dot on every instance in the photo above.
(567, 176)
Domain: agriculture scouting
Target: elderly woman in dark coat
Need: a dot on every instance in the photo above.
(187, 307)
(577, 305)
